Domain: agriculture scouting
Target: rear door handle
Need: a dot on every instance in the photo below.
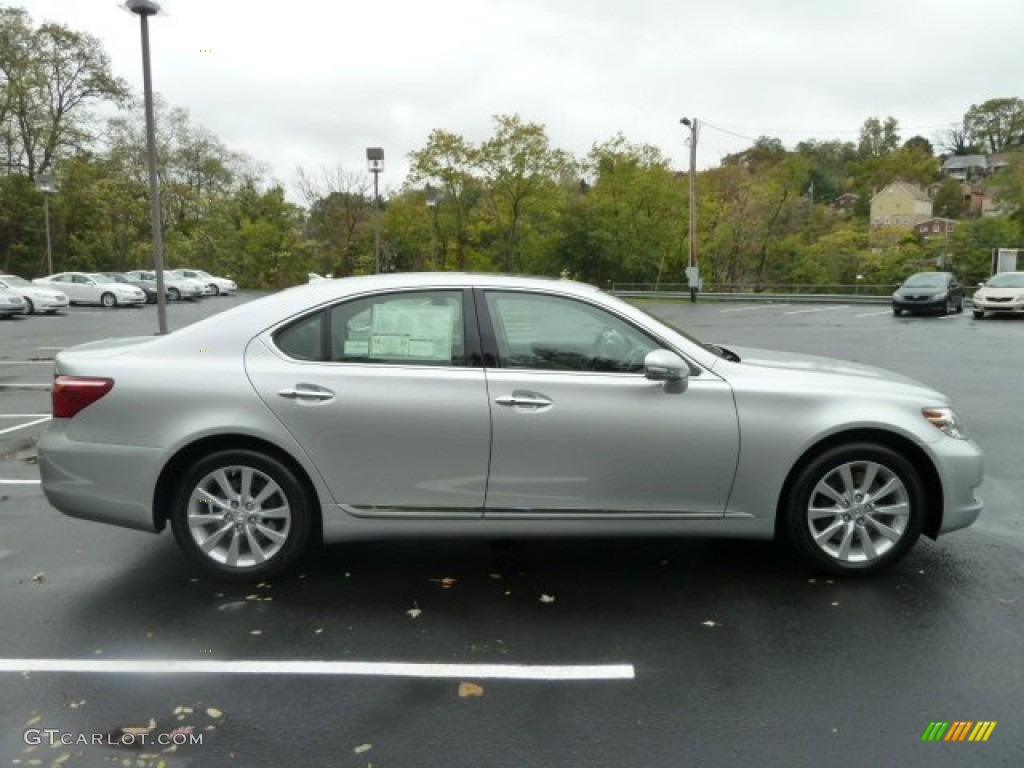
(305, 393)
(524, 399)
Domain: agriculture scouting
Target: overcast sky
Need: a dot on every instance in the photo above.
(295, 82)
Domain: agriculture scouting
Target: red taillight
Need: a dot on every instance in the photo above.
(73, 393)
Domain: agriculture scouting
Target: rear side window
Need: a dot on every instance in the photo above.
(410, 328)
(303, 339)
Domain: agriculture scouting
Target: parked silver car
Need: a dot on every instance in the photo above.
(175, 288)
(219, 286)
(470, 405)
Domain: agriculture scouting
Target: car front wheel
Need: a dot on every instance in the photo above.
(978, 314)
(897, 311)
(855, 509)
(241, 515)
(108, 300)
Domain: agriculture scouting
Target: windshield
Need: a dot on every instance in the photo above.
(1007, 280)
(12, 280)
(926, 280)
(99, 277)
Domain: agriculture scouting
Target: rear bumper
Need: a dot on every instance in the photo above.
(105, 483)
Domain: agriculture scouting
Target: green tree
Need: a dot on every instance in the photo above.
(50, 76)
(948, 200)
(997, 124)
(878, 138)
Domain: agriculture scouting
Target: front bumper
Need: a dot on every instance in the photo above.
(919, 305)
(988, 305)
(961, 467)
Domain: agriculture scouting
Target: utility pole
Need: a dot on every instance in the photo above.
(692, 272)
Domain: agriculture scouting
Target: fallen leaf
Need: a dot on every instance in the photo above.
(255, 631)
(710, 623)
(77, 704)
(470, 690)
(446, 583)
(215, 713)
(39, 578)
(494, 575)
(363, 748)
(319, 631)
(414, 612)
(835, 603)
(34, 720)
(547, 598)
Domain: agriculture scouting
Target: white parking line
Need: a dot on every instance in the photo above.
(26, 362)
(874, 314)
(24, 426)
(816, 309)
(22, 415)
(374, 668)
(761, 306)
(25, 385)
(19, 482)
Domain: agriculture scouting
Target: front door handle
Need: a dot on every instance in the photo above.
(304, 393)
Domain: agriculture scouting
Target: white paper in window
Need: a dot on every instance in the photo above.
(414, 330)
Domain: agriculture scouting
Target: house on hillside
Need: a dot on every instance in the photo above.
(965, 167)
(900, 204)
(935, 229)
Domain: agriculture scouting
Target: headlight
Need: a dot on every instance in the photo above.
(897, 295)
(941, 296)
(947, 420)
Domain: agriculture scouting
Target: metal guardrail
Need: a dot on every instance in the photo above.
(782, 294)
(780, 298)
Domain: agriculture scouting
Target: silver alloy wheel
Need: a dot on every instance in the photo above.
(239, 517)
(858, 511)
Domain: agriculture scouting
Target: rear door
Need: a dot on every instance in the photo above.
(386, 394)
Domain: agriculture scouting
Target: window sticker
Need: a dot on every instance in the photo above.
(418, 331)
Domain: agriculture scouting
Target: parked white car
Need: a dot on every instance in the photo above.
(92, 288)
(11, 303)
(37, 299)
(219, 286)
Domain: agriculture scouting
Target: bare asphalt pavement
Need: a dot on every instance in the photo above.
(739, 656)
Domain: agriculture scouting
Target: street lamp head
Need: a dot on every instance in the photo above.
(142, 7)
(45, 183)
(375, 159)
(685, 121)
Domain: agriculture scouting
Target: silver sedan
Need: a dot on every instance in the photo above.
(467, 405)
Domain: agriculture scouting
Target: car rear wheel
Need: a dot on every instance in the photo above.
(855, 509)
(108, 300)
(241, 515)
(174, 293)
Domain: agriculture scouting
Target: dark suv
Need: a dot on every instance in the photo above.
(929, 292)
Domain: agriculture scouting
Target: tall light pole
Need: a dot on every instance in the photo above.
(433, 198)
(375, 162)
(47, 186)
(692, 271)
(144, 9)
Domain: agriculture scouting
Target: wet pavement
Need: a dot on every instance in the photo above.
(740, 657)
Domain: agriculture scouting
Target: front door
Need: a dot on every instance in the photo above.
(578, 429)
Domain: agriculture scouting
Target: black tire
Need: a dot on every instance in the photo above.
(108, 300)
(859, 520)
(948, 308)
(30, 308)
(897, 311)
(960, 307)
(978, 314)
(174, 293)
(296, 529)
(215, 289)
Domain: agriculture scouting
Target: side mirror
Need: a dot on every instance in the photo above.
(662, 365)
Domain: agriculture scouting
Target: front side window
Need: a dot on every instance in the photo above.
(536, 331)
